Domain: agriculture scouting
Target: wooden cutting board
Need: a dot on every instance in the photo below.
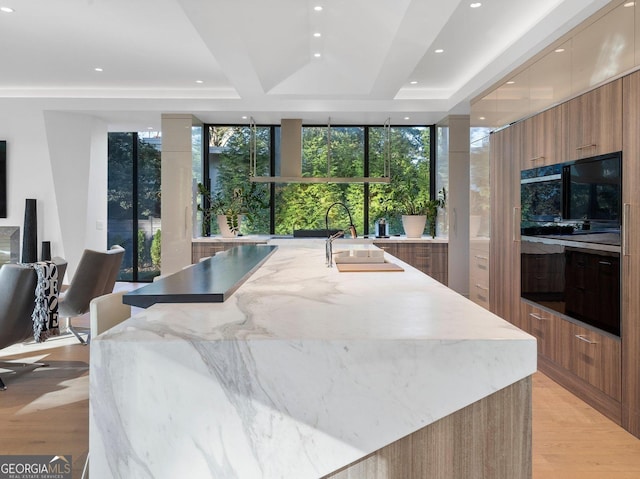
(367, 267)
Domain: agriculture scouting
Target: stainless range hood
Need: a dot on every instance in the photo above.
(291, 158)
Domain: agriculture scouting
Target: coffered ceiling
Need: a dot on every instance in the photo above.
(225, 59)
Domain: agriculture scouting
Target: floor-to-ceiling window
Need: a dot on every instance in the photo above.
(134, 202)
(327, 151)
(336, 152)
(226, 171)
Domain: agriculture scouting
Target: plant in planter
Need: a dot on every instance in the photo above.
(417, 210)
(229, 207)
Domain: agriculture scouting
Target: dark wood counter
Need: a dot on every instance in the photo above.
(210, 281)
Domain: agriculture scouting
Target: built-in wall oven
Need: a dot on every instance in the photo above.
(570, 250)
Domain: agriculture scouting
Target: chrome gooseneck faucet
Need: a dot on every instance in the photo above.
(330, 238)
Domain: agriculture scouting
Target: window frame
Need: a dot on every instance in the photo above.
(366, 153)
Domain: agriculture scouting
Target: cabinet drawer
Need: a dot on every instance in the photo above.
(544, 327)
(593, 357)
(479, 276)
(479, 261)
(479, 292)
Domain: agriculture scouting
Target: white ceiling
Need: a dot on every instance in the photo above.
(256, 57)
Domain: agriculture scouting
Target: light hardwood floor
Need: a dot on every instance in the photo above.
(45, 411)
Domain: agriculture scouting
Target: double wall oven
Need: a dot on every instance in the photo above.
(570, 252)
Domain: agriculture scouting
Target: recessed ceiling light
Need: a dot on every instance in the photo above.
(98, 69)
(317, 8)
(510, 82)
(475, 5)
(317, 34)
(7, 10)
(199, 81)
(559, 50)
(439, 50)
(317, 55)
(149, 128)
(482, 118)
(413, 82)
(629, 4)
(244, 117)
(407, 118)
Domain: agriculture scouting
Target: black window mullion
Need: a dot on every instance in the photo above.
(134, 209)
(432, 162)
(206, 181)
(366, 185)
(272, 185)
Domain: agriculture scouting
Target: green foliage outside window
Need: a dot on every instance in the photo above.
(230, 188)
(303, 205)
(156, 248)
(410, 175)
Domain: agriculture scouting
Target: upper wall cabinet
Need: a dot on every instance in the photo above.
(542, 140)
(550, 78)
(593, 122)
(513, 99)
(604, 49)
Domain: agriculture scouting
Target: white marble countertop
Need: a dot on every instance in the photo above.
(302, 371)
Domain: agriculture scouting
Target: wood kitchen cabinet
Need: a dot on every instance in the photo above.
(593, 357)
(430, 258)
(543, 139)
(595, 365)
(204, 249)
(585, 361)
(630, 257)
(479, 272)
(504, 254)
(593, 122)
(479, 220)
(544, 326)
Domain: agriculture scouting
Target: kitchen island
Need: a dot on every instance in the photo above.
(306, 372)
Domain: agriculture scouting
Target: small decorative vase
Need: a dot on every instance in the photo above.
(414, 225)
(225, 231)
(46, 251)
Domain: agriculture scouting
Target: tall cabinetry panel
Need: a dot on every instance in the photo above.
(479, 221)
(593, 122)
(631, 256)
(504, 262)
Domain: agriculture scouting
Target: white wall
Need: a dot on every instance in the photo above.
(61, 160)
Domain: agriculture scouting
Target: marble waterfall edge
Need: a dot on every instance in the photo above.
(302, 371)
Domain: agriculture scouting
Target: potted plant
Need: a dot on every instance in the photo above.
(229, 207)
(417, 210)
